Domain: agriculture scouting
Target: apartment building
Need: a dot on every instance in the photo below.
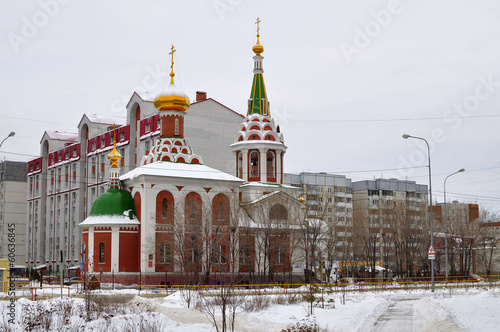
(385, 208)
(329, 197)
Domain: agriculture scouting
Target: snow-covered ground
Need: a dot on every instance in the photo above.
(473, 309)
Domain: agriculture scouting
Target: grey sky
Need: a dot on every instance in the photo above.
(345, 78)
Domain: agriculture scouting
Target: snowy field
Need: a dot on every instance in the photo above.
(472, 309)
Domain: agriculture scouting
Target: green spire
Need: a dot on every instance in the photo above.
(258, 98)
(258, 104)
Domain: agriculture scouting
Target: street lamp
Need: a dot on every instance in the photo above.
(446, 221)
(431, 216)
(10, 135)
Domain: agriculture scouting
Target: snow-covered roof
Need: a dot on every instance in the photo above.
(146, 95)
(261, 198)
(109, 220)
(172, 90)
(268, 185)
(107, 119)
(179, 170)
(62, 136)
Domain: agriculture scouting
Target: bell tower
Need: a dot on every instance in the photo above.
(258, 145)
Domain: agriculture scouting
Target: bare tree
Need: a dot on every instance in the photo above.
(488, 244)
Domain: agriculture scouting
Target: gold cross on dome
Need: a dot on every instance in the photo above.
(258, 28)
(172, 53)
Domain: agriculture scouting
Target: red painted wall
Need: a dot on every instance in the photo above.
(106, 239)
(129, 252)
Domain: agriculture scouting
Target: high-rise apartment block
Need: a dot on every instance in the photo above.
(13, 210)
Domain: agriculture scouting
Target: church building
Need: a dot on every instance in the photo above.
(175, 220)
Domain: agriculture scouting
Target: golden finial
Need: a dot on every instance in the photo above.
(114, 156)
(301, 199)
(172, 74)
(258, 48)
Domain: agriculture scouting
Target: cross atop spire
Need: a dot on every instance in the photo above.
(114, 132)
(172, 74)
(258, 28)
(258, 48)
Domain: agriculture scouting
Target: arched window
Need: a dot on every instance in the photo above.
(270, 165)
(101, 252)
(220, 208)
(193, 209)
(254, 164)
(164, 208)
(176, 127)
(278, 212)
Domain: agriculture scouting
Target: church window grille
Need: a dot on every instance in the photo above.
(254, 164)
(165, 253)
(270, 164)
(164, 209)
(101, 252)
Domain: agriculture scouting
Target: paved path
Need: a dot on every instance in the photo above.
(397, 317)
(403, 315)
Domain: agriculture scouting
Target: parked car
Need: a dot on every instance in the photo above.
(72, 281)
(475, 277)
(49, 279)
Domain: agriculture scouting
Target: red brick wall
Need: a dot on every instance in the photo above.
(164, 237)
(168, 126)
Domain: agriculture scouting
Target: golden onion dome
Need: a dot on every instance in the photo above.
(258, 49)
(172, 99)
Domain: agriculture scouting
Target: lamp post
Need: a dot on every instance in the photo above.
(431, 216)
(10, 135)
(446, 221)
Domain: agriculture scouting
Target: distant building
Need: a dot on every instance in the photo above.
(13, 210)
(328, 197)
(456, 212)
(383, 208)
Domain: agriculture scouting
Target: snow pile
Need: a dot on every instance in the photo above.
(474, 312)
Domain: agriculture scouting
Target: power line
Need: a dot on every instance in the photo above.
(387, 120)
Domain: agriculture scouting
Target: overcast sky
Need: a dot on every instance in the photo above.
(345, 78)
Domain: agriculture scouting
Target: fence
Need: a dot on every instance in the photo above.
(37, 293)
